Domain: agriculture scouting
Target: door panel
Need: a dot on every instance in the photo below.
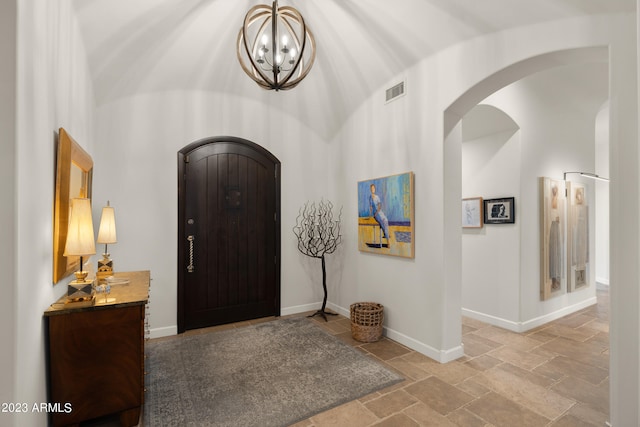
(229, 202)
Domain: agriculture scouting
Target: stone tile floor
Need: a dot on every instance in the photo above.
(555, 375)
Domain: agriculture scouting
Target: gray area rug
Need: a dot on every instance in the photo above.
(270, 374)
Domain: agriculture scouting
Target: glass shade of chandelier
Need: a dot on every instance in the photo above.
(275, 47)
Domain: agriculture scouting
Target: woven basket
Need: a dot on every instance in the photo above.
(366, 321)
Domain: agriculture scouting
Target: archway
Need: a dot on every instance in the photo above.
(453, 141)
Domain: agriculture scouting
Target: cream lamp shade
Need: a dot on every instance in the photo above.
(80, 234)
(107, 231)
(106, 235)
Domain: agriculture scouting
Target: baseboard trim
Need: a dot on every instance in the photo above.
(296, 309)
(442, 356)
(529, 324)
(163, 332)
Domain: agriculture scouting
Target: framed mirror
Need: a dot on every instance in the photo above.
(74, 172)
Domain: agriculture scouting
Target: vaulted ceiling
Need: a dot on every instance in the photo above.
(140, 46)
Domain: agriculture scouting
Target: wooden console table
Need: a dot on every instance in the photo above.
(96, 354)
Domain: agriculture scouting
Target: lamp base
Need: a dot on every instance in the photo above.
(105, 267)
(80, 290)
(79, 304)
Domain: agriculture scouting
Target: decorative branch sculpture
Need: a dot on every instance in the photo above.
(318, 235)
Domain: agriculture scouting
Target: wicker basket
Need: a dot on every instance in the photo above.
(366, 321)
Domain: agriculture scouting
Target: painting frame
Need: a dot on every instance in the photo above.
(389, 230)
(74, 175)
(578, 266)
(552, 238)
(472, 213)
(499, 211)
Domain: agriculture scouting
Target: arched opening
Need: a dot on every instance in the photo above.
(555, 141)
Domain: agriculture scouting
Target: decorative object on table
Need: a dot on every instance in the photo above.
(80, 243)
(74, 171)
(500, 211)
(104, 288)
(552, 231)
(366, 321)
(275, 47)
(106, 235)
(318, 235)
(472, 209)
(274, 373)
(385, 215)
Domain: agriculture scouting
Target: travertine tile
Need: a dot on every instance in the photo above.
(398, 420)
(484, 362)
(562, 365)
(439, 395)
(502, 412)
(473, 323)
(453, 372)
(390, 403)
(496, 334)
(523, 359)
(409, 369)
(475, 345)
(386, 349)
(541, 400)
(351, 414)
(464, 418)
(532, 377)
(473, 387)
(596, 397)
(581, 334)
(427, 417)
(574, 321)
(590, 353)
(588, 415)
(571, 421)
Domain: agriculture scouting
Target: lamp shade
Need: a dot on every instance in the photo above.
(107, 231)
(80, 233)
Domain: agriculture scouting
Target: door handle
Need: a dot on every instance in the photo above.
(190, 267)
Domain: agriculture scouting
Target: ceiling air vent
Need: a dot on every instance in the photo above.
(395, 92)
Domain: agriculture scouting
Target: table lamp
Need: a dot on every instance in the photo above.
(106, 235)
(80, 243)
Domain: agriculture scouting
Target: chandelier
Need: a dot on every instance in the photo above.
(275, 47)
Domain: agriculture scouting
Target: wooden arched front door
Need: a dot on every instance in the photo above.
(228, 232)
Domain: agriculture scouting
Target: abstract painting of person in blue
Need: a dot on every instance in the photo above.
(375, 210)
(385, 215)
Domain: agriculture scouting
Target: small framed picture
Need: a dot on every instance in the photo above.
(500, 211)
(472, 212)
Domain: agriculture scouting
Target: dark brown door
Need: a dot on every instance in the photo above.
(229, 233)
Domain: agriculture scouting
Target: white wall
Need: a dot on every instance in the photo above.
(8, 14)
(491, 157)
(624, 193)
(136, 169)
(53, 90)
(422, 296)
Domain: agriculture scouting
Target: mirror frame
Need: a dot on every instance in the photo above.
(69, 154)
